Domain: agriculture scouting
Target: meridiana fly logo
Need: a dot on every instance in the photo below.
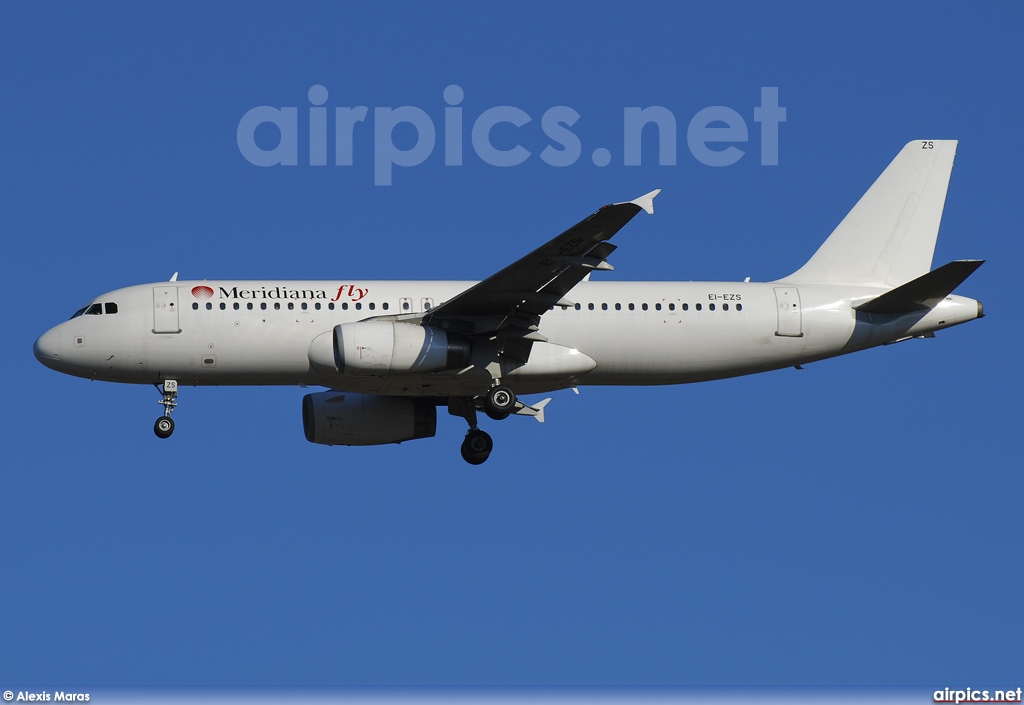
(348, 291)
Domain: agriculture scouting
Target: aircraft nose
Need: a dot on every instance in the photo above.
(47, 348)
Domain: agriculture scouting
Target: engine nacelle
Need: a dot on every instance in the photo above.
(348, 419)
(382, 348)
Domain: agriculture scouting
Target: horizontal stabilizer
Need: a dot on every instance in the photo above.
(925, 292)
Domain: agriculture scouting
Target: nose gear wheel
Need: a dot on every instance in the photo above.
(164, 425)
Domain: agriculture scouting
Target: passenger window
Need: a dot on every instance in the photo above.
(195, 306)
(263, 306)
(725, 307)
(686, 307)
(373, 306)
(330, 306)
(618, 307)
(277, 305)
(291, 306)
(209, 306)
(590, 306)
(643, 306)
(739, 307)
(697, 307)
(384, 305)
(110, 308)
(249, 305)
(344, 307)
(657, 307)
(671, 307)
(235, 305)
(317, 305)
(223, 305)
(604, 307)
(578, 307)
(711, 307)
(405, 305)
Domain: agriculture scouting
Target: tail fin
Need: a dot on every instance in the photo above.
(889, 237)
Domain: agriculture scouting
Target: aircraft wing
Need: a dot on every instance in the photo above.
(508, 305)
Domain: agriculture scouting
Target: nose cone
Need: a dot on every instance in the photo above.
(47, 348)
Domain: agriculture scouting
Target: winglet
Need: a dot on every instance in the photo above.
(646, 201)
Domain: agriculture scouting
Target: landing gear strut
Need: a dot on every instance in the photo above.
(477, 446)
(164, 425)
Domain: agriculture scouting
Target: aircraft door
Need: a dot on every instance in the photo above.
(790, 319)
(165, 309)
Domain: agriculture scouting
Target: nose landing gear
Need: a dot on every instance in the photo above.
(164, 425)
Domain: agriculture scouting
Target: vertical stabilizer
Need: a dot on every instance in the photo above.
(889, 236)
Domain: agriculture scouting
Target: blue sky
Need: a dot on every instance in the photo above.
(854, 523)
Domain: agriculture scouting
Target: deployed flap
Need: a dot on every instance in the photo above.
(536, 411)
(925, 292)
(515, 298)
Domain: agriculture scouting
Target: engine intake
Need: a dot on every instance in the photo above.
(382, 348)
(349, 419)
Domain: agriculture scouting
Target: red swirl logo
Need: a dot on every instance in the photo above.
(202, 292)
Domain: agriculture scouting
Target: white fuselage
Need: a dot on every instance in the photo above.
(637, 333)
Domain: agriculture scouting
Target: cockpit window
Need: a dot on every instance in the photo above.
(95, 309)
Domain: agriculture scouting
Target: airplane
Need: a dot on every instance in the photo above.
(389, 353)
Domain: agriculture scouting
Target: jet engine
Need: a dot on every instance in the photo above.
(381, 348)
(348, 419)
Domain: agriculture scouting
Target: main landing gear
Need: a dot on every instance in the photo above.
(499, 403)
(477, 446)
(164, 425)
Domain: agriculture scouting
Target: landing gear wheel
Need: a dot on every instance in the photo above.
(499, 402)
(477, 447)
(163, 427)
